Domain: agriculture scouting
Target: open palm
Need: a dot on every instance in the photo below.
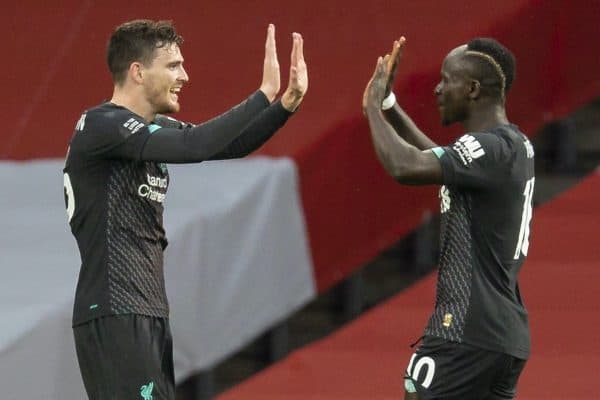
(298, 83)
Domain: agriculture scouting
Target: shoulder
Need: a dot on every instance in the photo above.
(169, 122)
(515, 140)
(499, 144)
(101, 129)
(108, 117)
(510, 134)
(477, 146)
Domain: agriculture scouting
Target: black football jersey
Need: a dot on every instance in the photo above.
(486, 212)
(116, 180)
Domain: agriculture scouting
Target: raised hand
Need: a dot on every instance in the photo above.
(377, 84)
(392, 63)
(298, 84)
(270, 81)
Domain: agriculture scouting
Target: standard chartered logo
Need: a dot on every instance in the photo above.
(150, 190)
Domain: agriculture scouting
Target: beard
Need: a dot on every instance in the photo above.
(444, 118)
(450, 116)
(162, 102)
(168, 108)
(161, 99)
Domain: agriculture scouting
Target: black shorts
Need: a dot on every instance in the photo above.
(440, 369)
(126, 357)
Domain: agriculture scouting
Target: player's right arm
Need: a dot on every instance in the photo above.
(201, 142)
(195, 143)
(115, 132)
(396, 116)
(262, 127)
(215, 142)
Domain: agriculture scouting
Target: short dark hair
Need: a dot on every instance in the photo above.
(495, 63)
(136, 41)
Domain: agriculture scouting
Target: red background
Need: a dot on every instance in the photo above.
(54, 68)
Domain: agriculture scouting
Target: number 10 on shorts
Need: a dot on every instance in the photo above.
(425, 365)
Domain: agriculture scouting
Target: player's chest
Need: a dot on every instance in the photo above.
(141, 182)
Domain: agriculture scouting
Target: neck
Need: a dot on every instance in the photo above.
(486, 118)
(133, 101)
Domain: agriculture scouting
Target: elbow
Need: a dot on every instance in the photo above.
(397, 169)
(405, 170)
(402, 174)
(403, 166)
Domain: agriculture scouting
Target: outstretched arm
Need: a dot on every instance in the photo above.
(407, 129)
(271, 82)
(298, 83)
(245, 127)
(196, 143)
(400, 121)
(261, 129)
(402, 160)
(270, 120)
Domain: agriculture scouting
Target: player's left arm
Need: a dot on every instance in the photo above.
(403, 161)
(402, 123)
(270, 120)
(260, 130)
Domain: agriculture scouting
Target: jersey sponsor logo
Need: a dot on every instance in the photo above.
(468, 149)
(133, 125)
(157, 181)
(528, 148)
(81, 123)
(423, 362)
(445, 199)
(149, 190)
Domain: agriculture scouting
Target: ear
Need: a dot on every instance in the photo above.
(136, 72)
(474, 89)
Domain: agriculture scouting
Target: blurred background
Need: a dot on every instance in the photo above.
(303, 271)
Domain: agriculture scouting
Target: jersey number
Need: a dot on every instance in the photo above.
(414, 370)
(69, 197)
(523, 242)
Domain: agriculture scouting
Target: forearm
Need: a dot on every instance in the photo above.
(261, 129)
(203, 141)
(407, 129)
(393, 151)
(403, 161)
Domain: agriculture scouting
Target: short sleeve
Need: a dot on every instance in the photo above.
(114, 133)
(475, 160)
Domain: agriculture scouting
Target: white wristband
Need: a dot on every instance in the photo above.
(389, 101)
